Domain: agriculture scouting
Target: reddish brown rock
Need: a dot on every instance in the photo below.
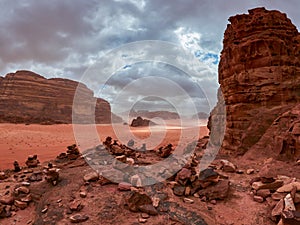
(218, 191)
(136, 199)
(259, 75)
(6, 200)
(26, 97)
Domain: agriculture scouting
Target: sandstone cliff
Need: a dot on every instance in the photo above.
(26, 97)
(259, 75)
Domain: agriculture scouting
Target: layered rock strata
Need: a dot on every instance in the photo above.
(259, 75)
(26, 97)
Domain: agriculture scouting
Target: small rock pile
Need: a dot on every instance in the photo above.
(52, 175)
(207, 184)
(282, 195)
(32, 161)
(114, 148)
(72, 153)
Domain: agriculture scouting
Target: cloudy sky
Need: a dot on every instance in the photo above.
(63, 38)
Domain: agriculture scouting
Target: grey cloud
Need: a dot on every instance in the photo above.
(64, 38)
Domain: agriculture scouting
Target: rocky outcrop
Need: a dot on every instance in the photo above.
(259, 75)
(26, 97)
(166, 115)
(140, 122)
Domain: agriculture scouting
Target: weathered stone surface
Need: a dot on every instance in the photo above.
(26, 97)
(259, 75)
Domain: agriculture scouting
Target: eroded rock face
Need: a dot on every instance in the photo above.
(259, 75)
(26, 97)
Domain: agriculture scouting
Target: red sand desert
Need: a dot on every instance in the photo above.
(47, 141)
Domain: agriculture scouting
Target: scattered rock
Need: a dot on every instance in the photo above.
(52, 176)
(149, 209)
(218, 191)
(93, 176)
(7, 200)
(72, 152)
(278, 208)
(44, 210)
(123, 186)
(82, 194)
(178, 190)
(75, 205)
(117, 150)
(183, 174)
(289, 187)
(228, 166)
(137, 199)
(27, 198)
(250, 171)
(258, 198)
(3, 176)
(20, 204)
(277, 196)
(271, 186)
(289, 203)
(263, 193)
(142, 220)
(22, 190)
(188, 200)
(145, 215)
(166, 151)
(155, 201)
(136, 181)
(24, 183)
(214, 202)
(78, 218)
(17, 167)
(240, 171)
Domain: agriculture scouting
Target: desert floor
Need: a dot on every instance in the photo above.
(47, 141)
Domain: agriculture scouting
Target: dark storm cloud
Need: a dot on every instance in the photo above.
(64, 38)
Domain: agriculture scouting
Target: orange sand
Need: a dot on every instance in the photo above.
(47, 141)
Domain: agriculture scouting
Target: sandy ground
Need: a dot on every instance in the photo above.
(47, 141)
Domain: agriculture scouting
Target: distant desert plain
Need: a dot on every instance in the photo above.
(48, 141)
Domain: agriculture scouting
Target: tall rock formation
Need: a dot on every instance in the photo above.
(26, 97)
(259, 75)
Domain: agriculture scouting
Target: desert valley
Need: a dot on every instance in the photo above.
(241, 165)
